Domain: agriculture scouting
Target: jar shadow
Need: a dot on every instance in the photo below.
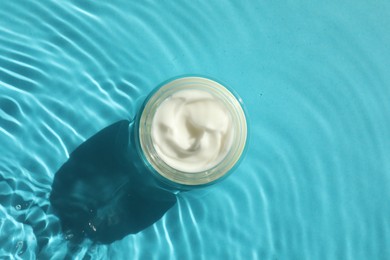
(99, 192)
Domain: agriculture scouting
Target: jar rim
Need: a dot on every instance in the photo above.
(232, 102)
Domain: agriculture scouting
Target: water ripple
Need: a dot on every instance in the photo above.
(316, 84)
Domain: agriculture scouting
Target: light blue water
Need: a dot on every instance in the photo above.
(315, 78)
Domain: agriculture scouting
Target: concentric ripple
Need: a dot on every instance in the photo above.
(315, 80)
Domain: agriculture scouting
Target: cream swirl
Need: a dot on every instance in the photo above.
(192, 130)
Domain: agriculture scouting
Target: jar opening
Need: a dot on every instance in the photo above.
(192, 131)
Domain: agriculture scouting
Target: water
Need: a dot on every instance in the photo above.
(315, 80)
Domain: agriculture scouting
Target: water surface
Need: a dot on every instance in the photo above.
(315, 182)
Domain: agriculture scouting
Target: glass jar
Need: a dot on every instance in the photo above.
(167, 175)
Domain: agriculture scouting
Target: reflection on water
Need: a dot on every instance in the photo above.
(99, 193)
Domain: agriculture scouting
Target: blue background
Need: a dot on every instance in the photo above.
(314, 77)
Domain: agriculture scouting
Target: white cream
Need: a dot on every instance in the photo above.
(192, 130)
